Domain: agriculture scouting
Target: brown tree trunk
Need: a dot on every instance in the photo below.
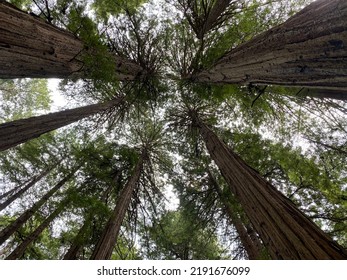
(309, 50)
(252, 247)
(285, 231)
(76, 246)
(213, 16)
(15, 225)
(19, 131)
(24, 189)
(323, 93)
(19, 251)
(31, 47)
(104, 247)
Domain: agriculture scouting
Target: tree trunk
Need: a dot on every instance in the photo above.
(308, 50)
(33, 48)
(252, 247)
(104, 247)
(24, 189)
(285, 231)
(212, 18)
(324, 93)
(19, 131)
(15, 225)
(19, 251)
(78, 242)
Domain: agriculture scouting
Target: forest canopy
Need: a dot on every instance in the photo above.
(180, 129)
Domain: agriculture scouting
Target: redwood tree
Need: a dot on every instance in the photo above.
(30, 47)
(20, 249)
(309, 49)
(19, 131)
(24, 189)
(286, 232)
(16, 224)
(108, 239)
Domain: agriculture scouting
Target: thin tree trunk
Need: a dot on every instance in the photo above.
(15, 225)
(19, 251)
(339, 150)
(24, 189)
(10, 192)
(212, 18)
(77, 244)
(104, 247)
(19, 131)
(285, 231)
(309, 50)
(252, 247)
(33, 48)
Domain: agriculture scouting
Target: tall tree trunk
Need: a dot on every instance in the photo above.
(19, 251)
(33, 48)
(324, 93)
(252, 247)
(24, 189)
(15, 225)
(78, 241)
(10, 192)
(104, 247)
(285, 231)
(309, 50)
(213, 16)
(19, 131)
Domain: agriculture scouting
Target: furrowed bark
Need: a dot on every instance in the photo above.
(33, 48)
(285, 231)
(19, 131)
(15, 225)
(103, 249)
(308, 50)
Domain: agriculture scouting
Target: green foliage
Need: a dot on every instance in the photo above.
(264, 125)
(176, 236)
(23, 98)
(106, 8)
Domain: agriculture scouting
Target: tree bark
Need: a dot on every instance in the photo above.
(252, 247)
(308, 50)
(19, 131)
(24, 189)
(285, 231)
(104, 247)
(212, 17)
(324, 93)
(33, 48)
(19, 251)
(15, 225)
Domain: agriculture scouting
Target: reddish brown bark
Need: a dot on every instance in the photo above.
(15, 225)
(31, 47)
(309, 49)
(286, 232)
(19, 131)
(104, 247)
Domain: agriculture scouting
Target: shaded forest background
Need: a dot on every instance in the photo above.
(190, 140)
